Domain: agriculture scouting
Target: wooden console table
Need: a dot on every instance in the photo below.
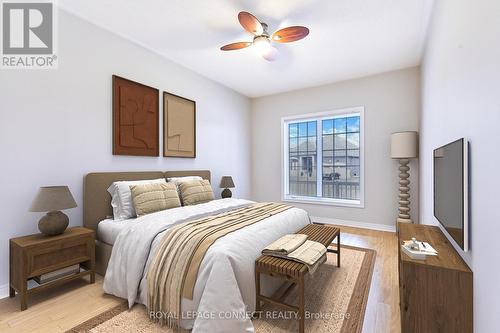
(435, 293)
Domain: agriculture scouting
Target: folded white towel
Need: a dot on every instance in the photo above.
(296, 247)
(308, 253)
(285, 244)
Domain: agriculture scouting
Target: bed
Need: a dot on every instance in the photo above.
(97, 204)
(224, 289)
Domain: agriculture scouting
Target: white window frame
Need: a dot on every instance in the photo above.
(337, 113)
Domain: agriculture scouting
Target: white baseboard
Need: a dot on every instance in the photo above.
(364, 225)
(4, 291)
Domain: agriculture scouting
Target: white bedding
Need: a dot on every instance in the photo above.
(108, 229)
(225, 286)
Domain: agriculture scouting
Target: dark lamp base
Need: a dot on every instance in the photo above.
(54, 223)
(226, 193)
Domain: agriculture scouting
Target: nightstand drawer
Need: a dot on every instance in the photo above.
(47, 259)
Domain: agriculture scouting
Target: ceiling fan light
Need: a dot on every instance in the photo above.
(271, 55)
(262, 45)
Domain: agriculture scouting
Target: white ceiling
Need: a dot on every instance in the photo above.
(348, 38)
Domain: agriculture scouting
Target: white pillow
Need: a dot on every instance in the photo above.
(178, 180)
(121, 197)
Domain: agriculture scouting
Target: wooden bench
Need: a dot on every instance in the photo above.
(292, 271)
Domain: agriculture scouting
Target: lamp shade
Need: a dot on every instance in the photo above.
(404, 145)
(53, 198)
(226, 182)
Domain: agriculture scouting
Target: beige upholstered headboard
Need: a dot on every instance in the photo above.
(97, 201)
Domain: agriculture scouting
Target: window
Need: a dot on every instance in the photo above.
(323, 157)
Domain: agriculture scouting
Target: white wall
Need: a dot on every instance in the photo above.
(461, 98)
(55, 125)
(391, 102)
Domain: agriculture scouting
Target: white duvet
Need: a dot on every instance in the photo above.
(225, 286)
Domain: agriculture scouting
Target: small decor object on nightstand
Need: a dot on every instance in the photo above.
(404, 147)
(53, 199)
(226, 183)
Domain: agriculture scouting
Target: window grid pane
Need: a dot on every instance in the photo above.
(302, 159)
(341, 158)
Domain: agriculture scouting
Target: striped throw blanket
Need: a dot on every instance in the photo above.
(173, 271)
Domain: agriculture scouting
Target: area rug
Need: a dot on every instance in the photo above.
(335, 302)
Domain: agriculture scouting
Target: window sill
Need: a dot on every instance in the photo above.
(324, 201)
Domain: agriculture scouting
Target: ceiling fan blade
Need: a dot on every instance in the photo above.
(250, 23)
(235, 46)
(290, 34)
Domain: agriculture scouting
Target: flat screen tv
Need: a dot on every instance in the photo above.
(451, 190)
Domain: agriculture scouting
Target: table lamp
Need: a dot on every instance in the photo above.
(53, 199)
(226, 182)
(403, 147)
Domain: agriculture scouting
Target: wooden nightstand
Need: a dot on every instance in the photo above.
(35, 255)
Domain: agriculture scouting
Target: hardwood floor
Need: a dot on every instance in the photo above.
(58, 310)
(382, 310)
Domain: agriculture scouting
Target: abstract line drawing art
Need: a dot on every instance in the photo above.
(179, 126)
(135, 118)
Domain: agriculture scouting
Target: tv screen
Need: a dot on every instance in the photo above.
(450, 190)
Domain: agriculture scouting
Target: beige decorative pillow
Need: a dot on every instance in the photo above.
(150, 198)
(196, 192)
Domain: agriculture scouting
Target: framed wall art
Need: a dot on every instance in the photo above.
(179, 126)
(136, 118)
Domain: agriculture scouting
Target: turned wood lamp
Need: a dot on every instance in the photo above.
(226, 183)
(404, 147)
(53, 199)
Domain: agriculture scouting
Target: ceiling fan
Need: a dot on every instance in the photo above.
(262, 39)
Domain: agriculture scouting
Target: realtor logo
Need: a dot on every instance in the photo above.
(28, 34)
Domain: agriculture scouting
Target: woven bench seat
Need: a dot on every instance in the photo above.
(293, 271)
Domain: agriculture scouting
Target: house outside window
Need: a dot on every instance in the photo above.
(323, 158)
